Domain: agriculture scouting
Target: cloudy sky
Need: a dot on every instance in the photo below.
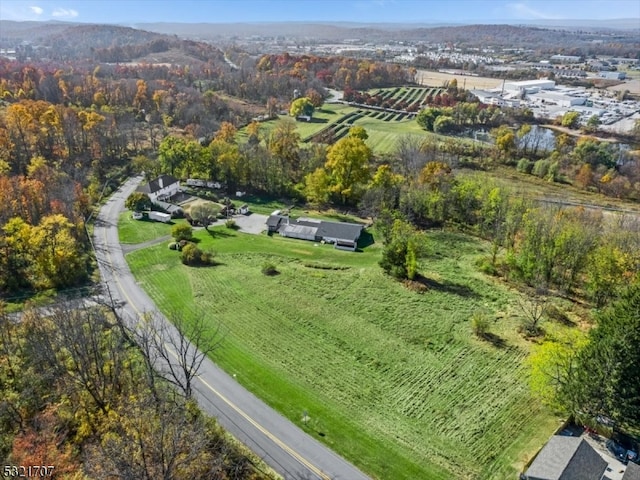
(193, 11)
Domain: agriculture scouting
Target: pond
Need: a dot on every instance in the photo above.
(537, 141)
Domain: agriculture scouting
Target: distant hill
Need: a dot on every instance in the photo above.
(102, 43)
(526, 36)
(113, 43)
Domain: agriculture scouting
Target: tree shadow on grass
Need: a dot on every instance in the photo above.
(493, 339)
(217, 233)
(448, 287)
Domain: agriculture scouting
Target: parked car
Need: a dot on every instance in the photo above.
(622, 452)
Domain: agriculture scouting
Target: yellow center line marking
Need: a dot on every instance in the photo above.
(268, 434)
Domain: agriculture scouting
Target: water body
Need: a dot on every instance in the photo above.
(539, 139)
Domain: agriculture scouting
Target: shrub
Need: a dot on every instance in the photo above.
(479, 323)
(193, 256)
(541, 168)
(486, 266)
(269, 269)
(182, 231)
(231, 223)
(525, 165)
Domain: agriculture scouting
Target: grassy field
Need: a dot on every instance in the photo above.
(132, 231)
(392, 379)
(537, 188)
(383, 136)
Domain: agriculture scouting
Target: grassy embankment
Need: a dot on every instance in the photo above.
(392, 379)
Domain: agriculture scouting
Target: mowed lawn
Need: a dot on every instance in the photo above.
(391, 379)
(132, 231)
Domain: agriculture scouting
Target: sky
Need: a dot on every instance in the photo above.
(369, 11)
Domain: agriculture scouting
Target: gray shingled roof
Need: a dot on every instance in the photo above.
(154, 185)
(325, 229)
(567, 458)
(632, 472)
(343, 230)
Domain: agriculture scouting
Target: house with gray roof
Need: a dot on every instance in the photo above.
(343, 235)
(161, 188)
(567, 458)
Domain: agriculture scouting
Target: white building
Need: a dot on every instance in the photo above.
(162, 188)
(530, 86)
(555, 98)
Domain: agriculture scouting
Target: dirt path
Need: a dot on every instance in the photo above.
(126, 248)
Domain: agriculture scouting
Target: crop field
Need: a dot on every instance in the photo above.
(391, 379)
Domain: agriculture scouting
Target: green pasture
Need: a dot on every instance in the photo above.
(391, 379)
(132, 231)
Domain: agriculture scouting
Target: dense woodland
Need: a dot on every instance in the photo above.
(71, 131)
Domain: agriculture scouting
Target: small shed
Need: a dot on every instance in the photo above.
(244, 209)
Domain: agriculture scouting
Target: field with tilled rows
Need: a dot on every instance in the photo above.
(390, 115)
(391, 379)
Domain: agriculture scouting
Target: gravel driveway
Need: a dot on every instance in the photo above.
(252, 223)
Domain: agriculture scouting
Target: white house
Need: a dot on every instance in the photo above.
(161, 188)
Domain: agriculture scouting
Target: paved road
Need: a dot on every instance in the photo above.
(282, 445)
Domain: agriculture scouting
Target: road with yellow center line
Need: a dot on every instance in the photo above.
(283, 445)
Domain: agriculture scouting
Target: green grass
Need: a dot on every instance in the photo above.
(536, 188)
(393, 380)
(132, 231)
(322, 117)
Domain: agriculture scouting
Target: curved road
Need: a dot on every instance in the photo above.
(280, 443)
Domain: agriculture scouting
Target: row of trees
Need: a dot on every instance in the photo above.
(595, 377)
(544, 245)
(82, 392)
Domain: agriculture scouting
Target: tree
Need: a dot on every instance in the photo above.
(182, 231)
(570, 119)
(58, 256)
(592, 124)
(400, 253)
(301, 107)
(505, 140)
(228, 161)
(348, 165)
(284, 145)
(383, 192)
(178, 349)
(204, 213)
(138, 202)
(316, 188)
(314, 97)
(427, 118)
(584, 178)
(226, 132)
(553, 364)
(358, 132)
(443, 124)
(533, 309)
(172, 153)
(607, 380)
